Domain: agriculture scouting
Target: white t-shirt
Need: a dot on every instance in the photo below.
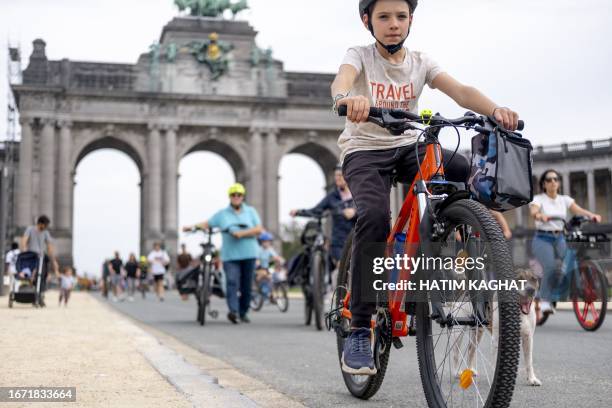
(67, 282)
(11, 260)
(556, 207)
(158, 260)
(386, 85)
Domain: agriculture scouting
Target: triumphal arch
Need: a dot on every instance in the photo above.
(204, 86)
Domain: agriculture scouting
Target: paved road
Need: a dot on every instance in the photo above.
(574, 366)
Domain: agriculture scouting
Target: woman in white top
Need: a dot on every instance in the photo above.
(549, 241)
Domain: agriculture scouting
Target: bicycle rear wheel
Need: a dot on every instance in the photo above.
(317, 276)
(361, 386)
(589, 295)
(468, 340)
(203, 294)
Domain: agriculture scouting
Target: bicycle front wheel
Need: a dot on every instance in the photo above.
(281, 296)
(317, 276)
(589, 295)
(468, 339)
(257, 299)
(203, 294)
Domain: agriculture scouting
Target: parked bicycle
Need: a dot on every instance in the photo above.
(467, 341)
(582, 280)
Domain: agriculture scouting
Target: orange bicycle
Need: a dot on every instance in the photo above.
(467, 339)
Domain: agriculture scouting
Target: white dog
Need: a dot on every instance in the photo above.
(528, 325)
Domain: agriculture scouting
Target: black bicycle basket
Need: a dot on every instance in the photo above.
(311, 229)
(501, 174)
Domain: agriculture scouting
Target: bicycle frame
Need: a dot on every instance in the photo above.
(411, 213)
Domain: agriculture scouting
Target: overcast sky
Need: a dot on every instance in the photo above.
(546, 59)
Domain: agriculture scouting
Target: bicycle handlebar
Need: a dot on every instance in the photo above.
(211, 231)
(396, 116)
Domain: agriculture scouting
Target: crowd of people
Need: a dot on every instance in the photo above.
(122, 280)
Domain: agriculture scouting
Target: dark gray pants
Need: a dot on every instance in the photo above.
(368, 174)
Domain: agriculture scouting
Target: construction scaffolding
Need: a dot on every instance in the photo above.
(9, 151)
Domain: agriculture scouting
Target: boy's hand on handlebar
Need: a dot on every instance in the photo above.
(293, 213)
(358, 108)
(506, 117)
(596, 218)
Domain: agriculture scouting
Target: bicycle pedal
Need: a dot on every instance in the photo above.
(397, 343)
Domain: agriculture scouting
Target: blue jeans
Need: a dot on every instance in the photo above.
(547, 249)
(239, 276)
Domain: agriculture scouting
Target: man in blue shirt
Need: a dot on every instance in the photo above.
(240, 225)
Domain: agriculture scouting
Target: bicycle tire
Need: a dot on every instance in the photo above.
(598, 278)
(203, 298)
(282, 300)
(257, 300)
(360, 386)
(317, 271)
(486, 230)
(307, 310)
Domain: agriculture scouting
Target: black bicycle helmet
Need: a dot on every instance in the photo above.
(364, 5)
(364, 8)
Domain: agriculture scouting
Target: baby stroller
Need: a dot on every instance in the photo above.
(29, 288)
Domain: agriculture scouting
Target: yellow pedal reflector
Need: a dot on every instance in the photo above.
(463, 254)
(466, 379)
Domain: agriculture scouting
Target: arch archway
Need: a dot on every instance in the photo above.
(109, 179)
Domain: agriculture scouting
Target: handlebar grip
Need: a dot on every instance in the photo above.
(343, 110)
(521, 125)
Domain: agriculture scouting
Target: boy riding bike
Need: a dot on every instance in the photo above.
(387, 75)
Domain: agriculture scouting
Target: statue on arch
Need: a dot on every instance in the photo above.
(211, 8)
(213, 53)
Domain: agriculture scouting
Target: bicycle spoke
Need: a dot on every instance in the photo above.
(594, 312)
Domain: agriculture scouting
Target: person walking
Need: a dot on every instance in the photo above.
(116, 270)
(67, 282)
(37, 239)
(242, 226)
(158, 260)
(132, 269)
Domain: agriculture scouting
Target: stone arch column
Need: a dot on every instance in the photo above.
(24, 186)
(170, 190)
(255, 178)
(153, 181)
(47, 170)
(271, 186)
(65, 178)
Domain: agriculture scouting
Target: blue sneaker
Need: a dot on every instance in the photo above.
(357, 355)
